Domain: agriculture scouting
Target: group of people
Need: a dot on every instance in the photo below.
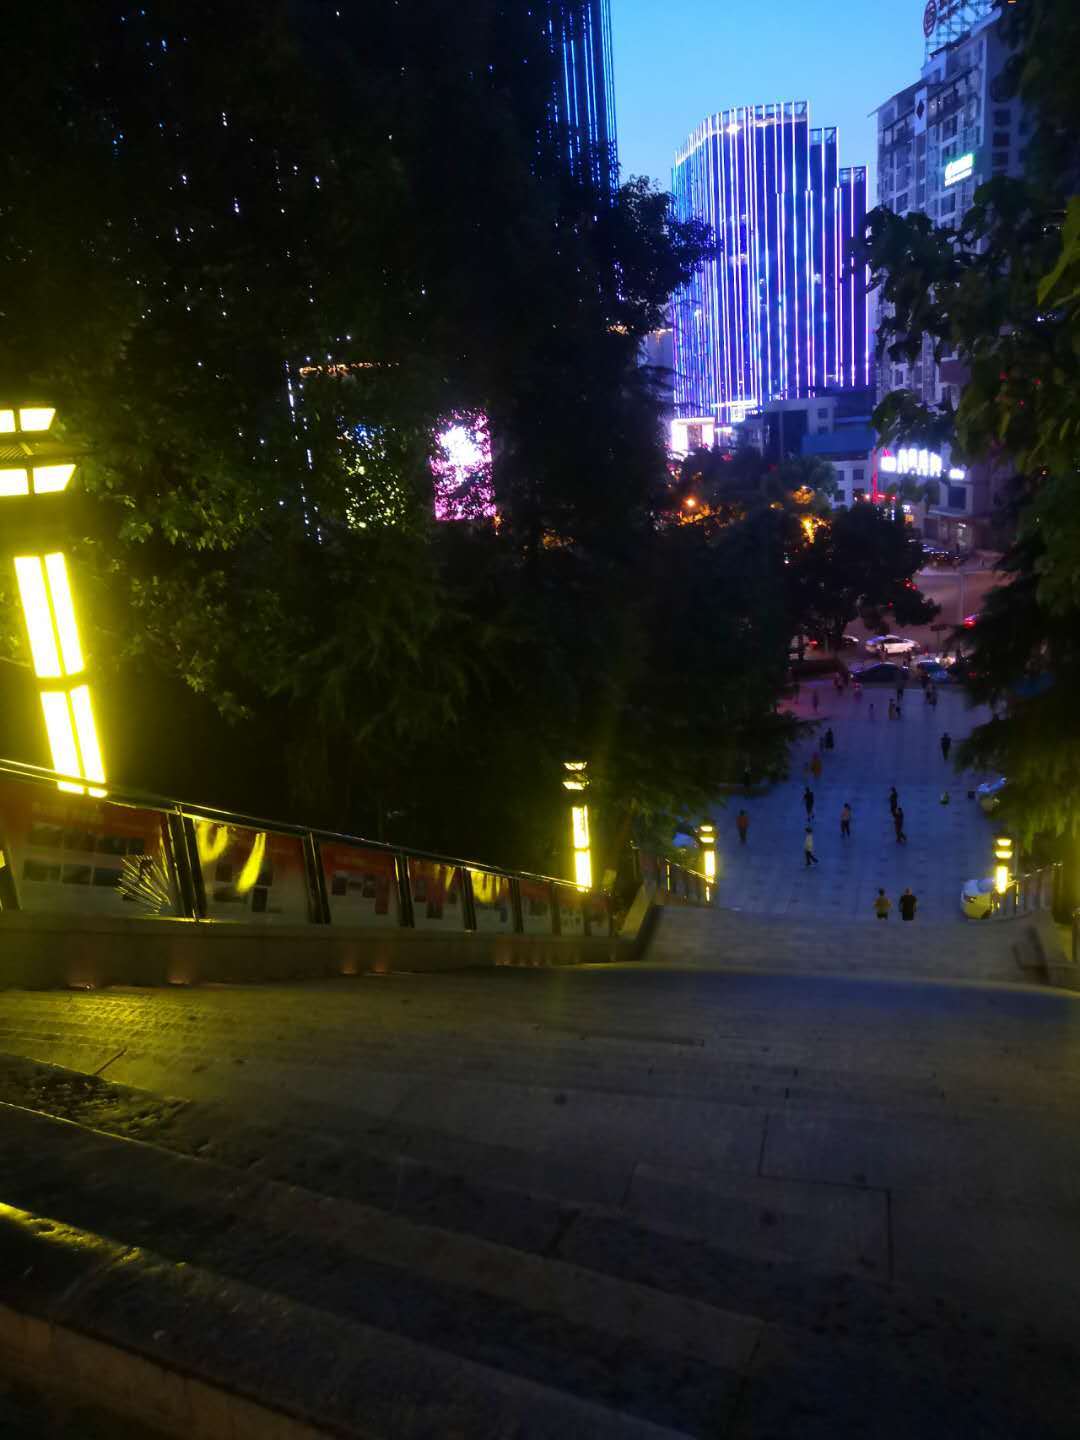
(907, 902)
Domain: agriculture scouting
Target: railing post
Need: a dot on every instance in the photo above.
(319, 901)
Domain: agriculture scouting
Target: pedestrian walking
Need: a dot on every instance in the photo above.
(857, 690)
(946, 746)
(814, 700)
(892, 709)
(838, 684)
(908, 903)
(898, 825)
(882, 905)
(944, 797)
(742, 824)
(894, 801)
(798, 688)
(808, 847)
(845, 822)
(746, 778)
(870, 712)
(933, 697)
(899, 693)
(808, 801)
(815, 765)
(899, 711)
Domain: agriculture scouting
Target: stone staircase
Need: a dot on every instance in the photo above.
(1025, 949)
(208, 1283)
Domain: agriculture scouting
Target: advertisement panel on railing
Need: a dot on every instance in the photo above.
(361, 884)
(537, 917)
(438, 895)
(598, 913)
(252, 875)
(571, 911)
(66, 852)
(493, 901)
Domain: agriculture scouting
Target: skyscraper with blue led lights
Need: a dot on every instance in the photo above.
(584, 106)
(779, 313)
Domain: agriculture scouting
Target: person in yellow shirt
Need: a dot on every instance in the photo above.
(882, 905)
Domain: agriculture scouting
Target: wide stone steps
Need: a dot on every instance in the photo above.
(362, 1289)
(990, 951)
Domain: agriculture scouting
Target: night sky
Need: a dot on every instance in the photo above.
(677, 61)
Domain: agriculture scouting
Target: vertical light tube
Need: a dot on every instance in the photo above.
(38, 614)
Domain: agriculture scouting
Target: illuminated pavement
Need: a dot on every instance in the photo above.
(946, 844)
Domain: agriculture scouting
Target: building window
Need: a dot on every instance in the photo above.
(947, 206)
(901, 201)
(957, 497)
(1001, 140)
(823, 414)
(859, 472)
(1001, 117)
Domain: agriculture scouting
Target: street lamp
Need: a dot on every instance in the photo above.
(1003, 859)
(707, 841)
(32, 467)
(577, 782)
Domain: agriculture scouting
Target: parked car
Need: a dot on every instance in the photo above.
(970, 621)
(977, 898)
(849, 642)
(939, 675)
(989, 794)
(891, 645)
(881, 672)
(935, 660)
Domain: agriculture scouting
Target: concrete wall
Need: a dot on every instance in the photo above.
(43, 951)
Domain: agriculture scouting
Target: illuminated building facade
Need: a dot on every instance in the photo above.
(779, 313)
(939, 139)
(584, 104)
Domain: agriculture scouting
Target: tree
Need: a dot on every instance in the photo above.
(863, 559)
(1000, 291)
(258, 254)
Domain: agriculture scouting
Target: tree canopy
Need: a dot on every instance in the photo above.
(259, 255)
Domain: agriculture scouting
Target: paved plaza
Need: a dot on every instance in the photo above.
(946, 844)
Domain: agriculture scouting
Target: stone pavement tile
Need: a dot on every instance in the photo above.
(1021, 1260)
(956, 1159)
(831, 1227)
(593, 1125)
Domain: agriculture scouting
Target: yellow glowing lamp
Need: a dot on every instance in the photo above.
(1003, 856)
(707, 841)
(576, 781)
(49, 612)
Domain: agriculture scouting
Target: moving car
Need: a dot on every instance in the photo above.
(883, 672)
(977, 898)
(891, 645)
(989, 794)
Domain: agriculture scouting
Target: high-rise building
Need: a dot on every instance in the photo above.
(939, 139)
(942, 137)
(779, 313)
(584, 104)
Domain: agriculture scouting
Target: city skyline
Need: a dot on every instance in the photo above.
(674, 65)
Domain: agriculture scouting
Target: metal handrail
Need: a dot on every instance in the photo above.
(311, 837)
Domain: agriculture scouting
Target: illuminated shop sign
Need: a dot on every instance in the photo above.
(959, 169)
(926, 464)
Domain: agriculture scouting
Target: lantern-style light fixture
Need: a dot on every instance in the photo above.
(33, 472)
(576, 781)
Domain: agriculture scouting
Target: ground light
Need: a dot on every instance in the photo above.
(576, 782)
(29, 469)
(1003, 859)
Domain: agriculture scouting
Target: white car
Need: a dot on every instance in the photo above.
(989, 794)
(891, 645)
(977, 898)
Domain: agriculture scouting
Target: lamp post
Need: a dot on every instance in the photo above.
(707, 841)
(1003, 859)
(34, 471)
(577, 782)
